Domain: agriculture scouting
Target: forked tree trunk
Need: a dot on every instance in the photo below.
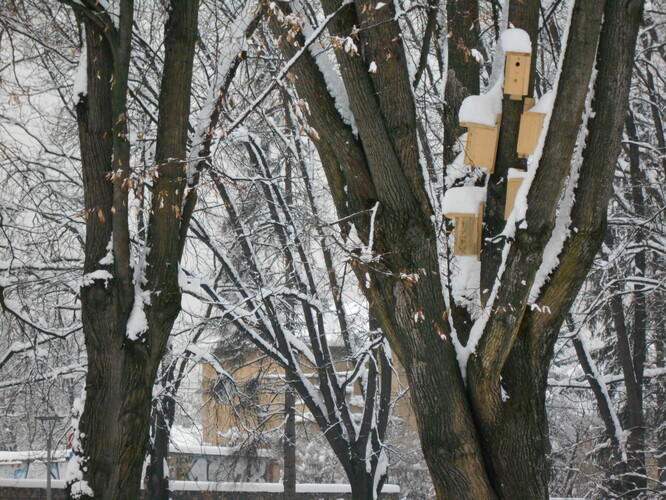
(477, 444)
(122, 368)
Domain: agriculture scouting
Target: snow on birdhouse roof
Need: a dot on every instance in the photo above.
(482, 109)
(545, 104)
(463, 200)
(516, 40)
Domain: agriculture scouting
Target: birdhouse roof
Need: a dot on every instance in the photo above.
(463, 201)
(481, 109)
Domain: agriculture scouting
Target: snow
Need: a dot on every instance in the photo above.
(32, 455)
(107, 260)
(236, 43)
(545, 104)
(80, 87)
(516, 40)
(482, 109)
(137, 322)
(76, 465)
(620, 433)
(90, 278)
(516, 173)
(463, 200)
(380, 472)
(58, 484)
(373, 67)
(269, 487)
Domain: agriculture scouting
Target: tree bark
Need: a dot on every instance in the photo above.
(121, 371)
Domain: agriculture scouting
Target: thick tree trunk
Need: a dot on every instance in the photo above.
(495, 447)
(114, 424)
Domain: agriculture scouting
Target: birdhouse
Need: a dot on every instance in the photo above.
(481, 145)
(465, 206)
(514, 181)
(518, 51)
(528, 135)
(480, 114)
(517, 74)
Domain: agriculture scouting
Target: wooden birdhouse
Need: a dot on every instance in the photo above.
(480, 114)
(531, 125)
(481, 145)
(514, 181)
(517, 74)
(465, 206)
(518, 51)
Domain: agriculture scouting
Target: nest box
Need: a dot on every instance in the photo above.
(481, 144)
(514, 181)
(517, 74)
(465, 206)
(531, 124)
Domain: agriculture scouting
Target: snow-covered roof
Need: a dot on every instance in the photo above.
(59, 484)
(545, 104)
(516, 40)
(463, 200)
(481, 109)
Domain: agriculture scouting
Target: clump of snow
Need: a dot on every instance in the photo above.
(90, 278)
(478, 57)
(80, 87)
(482, 109)
(137, 323)
(76, 466)
(516, 40)
(465, 279)
(516, 173)
(463, 200)
(545, 104)
(107, 260)
(373, 67)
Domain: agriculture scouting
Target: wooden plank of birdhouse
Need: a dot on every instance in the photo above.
(529, 133)
(517, 74)
(512, 187)
(481, 145)
(465, 236)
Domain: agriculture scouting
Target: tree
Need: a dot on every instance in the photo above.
(127, 311)
(277, 297)
(477, 443)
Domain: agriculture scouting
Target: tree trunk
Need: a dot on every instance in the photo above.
(122, 367)
(289, 445)
(496, 446)
(157, 478)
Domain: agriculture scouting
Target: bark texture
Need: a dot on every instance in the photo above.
(121, 370)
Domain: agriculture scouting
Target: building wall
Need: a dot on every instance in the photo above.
(220, 416)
